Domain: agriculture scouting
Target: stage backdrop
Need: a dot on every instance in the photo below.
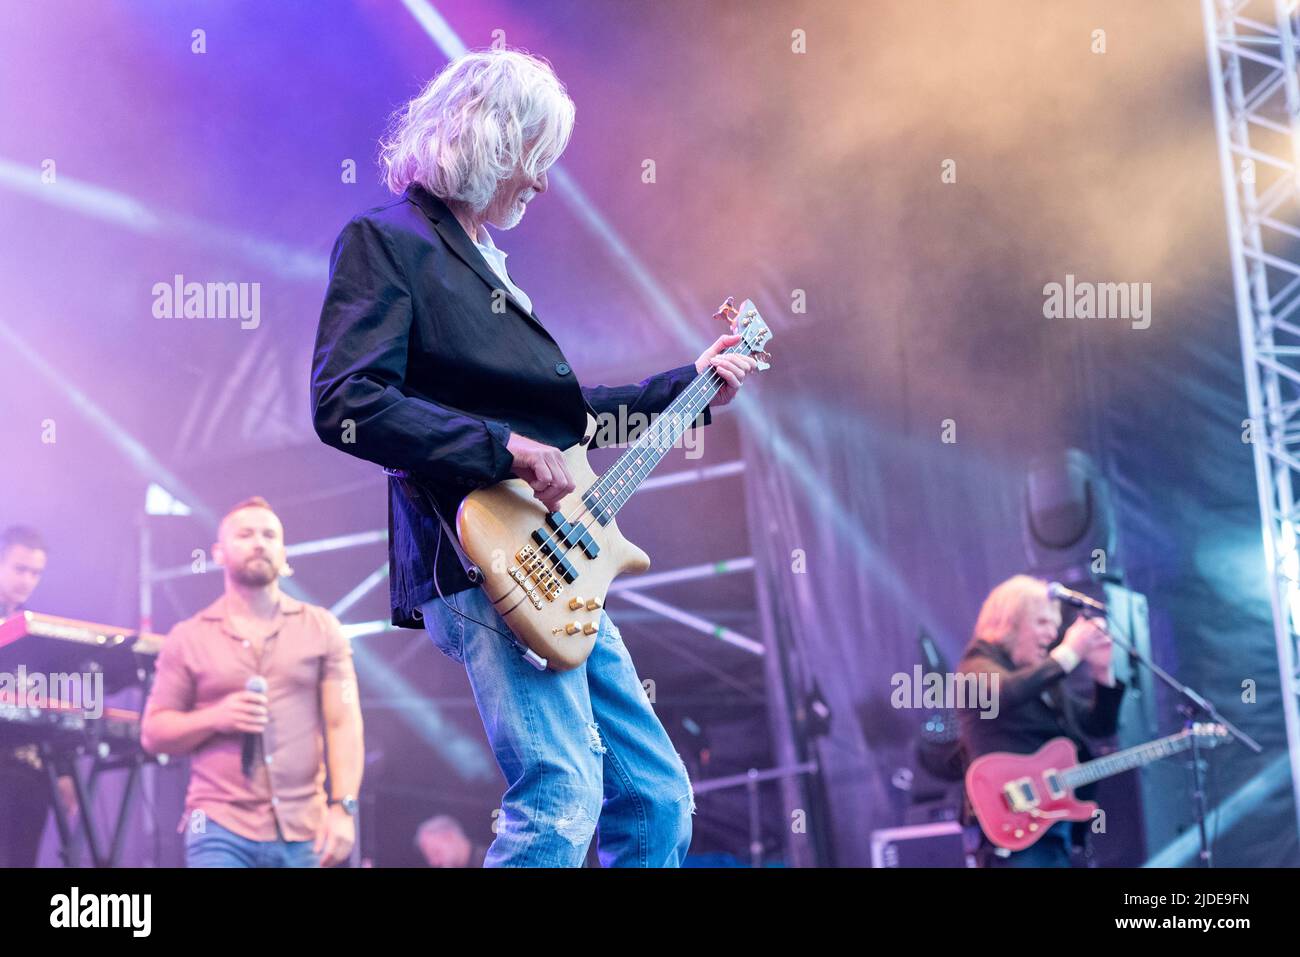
(894, 183)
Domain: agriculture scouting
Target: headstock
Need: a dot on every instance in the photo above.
(749, 325)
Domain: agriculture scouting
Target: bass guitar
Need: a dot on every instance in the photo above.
(547, 574)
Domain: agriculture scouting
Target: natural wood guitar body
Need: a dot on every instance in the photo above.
(495, 524)
(548, 574)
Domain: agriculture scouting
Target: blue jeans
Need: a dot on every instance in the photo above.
(218, 847)
(1050, 850)
(575, 747)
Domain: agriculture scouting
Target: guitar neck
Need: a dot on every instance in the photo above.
(617, 483)
(1127, 759)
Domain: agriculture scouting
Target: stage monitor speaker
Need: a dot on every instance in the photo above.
(921, 845)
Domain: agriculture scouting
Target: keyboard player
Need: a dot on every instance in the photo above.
(24, 787)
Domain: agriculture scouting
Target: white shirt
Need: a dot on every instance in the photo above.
(496, 258)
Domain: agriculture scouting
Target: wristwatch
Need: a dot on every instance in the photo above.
(349, 805)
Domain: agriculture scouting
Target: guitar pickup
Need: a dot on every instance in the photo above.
(599, 512)
(545, 544)
(550, 548)
(572, 535)
(1054, 786)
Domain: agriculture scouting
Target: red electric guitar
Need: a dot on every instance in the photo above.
(1017, 797)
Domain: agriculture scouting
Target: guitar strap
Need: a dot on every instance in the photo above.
(424, 501)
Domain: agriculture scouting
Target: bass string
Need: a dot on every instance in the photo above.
(709, 379)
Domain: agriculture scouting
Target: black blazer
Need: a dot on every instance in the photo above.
(425, 363)
(1025, 721)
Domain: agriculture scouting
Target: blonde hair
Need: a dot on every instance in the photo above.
(1004, 609)
(471, 125)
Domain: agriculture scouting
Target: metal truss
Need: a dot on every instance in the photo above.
(1252, 52)
(630, 590)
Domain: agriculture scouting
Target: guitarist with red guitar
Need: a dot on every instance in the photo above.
(1017, 626)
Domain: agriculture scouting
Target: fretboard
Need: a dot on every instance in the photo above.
(616, 485)
(1127, 759)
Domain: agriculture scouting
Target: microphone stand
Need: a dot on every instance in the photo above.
(1192, 705)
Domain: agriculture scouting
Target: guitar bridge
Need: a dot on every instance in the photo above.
(535, 576)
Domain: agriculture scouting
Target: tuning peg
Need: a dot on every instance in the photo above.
(764, 359)
(727, 312)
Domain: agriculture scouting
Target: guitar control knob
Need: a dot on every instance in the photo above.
(1019, 833)
(593, 604)
(572, 628)
(589, 629)
(575, 603)
(1033, 828)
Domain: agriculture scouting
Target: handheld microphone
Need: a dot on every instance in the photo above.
(252, 742)
(1058, 592)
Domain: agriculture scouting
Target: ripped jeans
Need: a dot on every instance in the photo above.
(577, 748)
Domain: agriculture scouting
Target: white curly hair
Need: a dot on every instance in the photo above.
(485, 114)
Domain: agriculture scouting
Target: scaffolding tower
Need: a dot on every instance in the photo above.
(1251, 47)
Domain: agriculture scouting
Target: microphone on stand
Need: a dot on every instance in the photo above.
(1058, 592)
(252, 742)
